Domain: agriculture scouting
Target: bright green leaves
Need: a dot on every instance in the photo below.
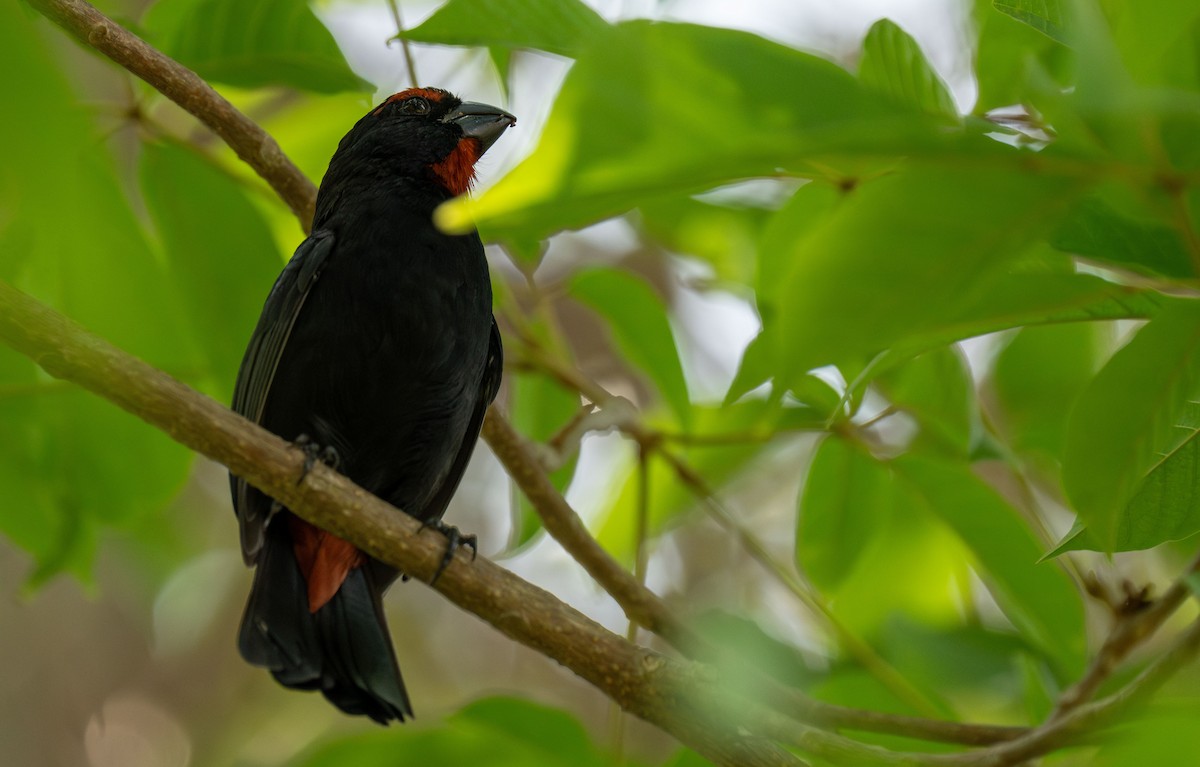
(563, 27)
(251, 45)
(1038, 598)
(234, 262)
(1007, 55)
(1098, 230)
(1131, 432)
(936, 390)
(1157, 41)
(558, 26)
(893, 64)
(540, 409)
(1046, 16)
(640, 329)
(852, 502)
(905, 255)
(1036, 378)
(671, 500)
(73, 464)
(847, 498)
(651, 110)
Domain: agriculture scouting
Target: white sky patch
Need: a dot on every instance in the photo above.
(712, 328)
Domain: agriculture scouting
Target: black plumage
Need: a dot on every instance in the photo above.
(377, 344)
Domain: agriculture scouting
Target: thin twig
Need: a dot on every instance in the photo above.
(1130, 631)
(1075, 724)
(863, 653)
(647, 609)
(404, 44)
(640, 605)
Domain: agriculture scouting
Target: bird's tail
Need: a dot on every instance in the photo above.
(343, 649)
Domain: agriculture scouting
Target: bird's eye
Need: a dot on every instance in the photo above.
(416, 106)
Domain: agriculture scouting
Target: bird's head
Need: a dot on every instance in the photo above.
(421, 133)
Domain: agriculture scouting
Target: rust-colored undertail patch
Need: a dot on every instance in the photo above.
(457, 171)
(325, 560)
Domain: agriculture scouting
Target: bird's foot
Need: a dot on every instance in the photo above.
(455, 540)
(313, 452)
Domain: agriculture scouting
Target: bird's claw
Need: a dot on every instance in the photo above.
(313, 452)
(455, 540)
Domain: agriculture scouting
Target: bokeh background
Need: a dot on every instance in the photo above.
(117, 631)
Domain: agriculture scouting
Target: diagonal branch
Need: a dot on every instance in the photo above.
(647, 609)
(641, 605)
(677, 696)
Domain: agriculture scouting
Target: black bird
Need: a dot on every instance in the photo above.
(377, 351)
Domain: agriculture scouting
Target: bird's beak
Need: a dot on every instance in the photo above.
(481, 122)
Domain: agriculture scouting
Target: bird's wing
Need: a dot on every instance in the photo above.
(258, 369)
(488, 386)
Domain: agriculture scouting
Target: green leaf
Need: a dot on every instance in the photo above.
(755, 369)
(1040, 691)
(638, 320)
(656, 109)
(1096, 230)
(1039, 599)
(1128, 415)
(73, 463)
(254, 45)
(1037, 377)
(216, 245)
(564, 27)
(847, 496)
(1116, 115)
(716, 460)
(540, 408)
(966, 663)
(1161, 734)
(1005, 55)
(936, 389)
(1046, 16)
(906, 255)
(893, 64)
(1165, 506)
(723, 236)
(747, 643)
(1017, 300)
(1158, 41)
(804, 213)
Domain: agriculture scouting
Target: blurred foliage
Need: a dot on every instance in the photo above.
(494, 731)
(915, 483)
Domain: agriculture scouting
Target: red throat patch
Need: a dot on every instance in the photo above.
(457, 171)
(324, 559)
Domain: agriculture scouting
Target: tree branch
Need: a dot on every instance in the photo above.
(641, 605)
(678, 696)
(183, 86)
(1129, 631)
(647, 609)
